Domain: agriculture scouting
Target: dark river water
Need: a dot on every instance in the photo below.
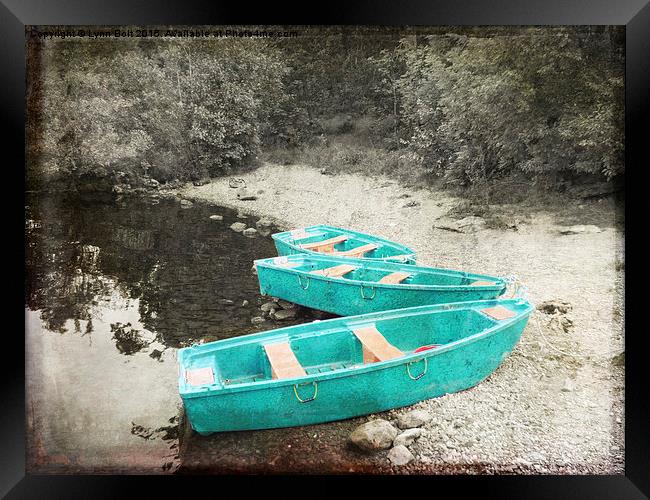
(113, 289)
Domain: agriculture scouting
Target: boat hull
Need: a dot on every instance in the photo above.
(395, 252)
(351, 393)
(348, 298)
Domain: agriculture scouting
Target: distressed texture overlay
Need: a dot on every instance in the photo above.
(159, 164)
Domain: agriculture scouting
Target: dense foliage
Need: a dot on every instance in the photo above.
(182, 109)
(468, 105)
(539, 102)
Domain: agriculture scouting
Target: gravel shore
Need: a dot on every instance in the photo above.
(556, 403)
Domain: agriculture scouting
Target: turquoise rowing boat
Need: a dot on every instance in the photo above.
(320, 239)
(346, 286)
(346, 367)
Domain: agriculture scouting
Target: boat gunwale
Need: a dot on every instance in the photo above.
(500, 283)
(360, 320)
(408, 253)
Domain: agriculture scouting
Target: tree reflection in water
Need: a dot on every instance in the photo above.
(176, 263)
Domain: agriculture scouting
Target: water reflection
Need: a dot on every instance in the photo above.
(111, 291)
(189, 273)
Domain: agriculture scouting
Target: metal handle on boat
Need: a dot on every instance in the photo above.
(300, 282)
(363, 296)
(426, 367)
(295, 391)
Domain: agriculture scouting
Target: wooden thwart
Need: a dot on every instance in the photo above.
(394, 278)
(482, 283)
(325, 246)
(498, 312)
(200, 376)
(335, 271)
(359, 251)
(375, 346)
(398, 257)
(284, 363)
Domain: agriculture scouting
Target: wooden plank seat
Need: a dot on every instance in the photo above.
(336, 271)
(375, 346)
(284, 262)
(394, 278)
(359, 251)
(325, 246)
(397, 258)
(200, 376)
(284, 363)
(498, 312)
(482, 283)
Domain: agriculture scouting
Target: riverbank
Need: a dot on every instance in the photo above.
(554, 406)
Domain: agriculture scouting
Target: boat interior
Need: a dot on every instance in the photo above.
(375, 273)
(343, 346)
(339, 243)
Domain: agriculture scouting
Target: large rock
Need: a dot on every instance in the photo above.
(238, 227)
(400, 455)
(580, 229)
(374, 435)
(414, 418)
(407, 437)
(245, 194)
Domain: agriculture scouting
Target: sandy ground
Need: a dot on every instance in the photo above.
(554, 406)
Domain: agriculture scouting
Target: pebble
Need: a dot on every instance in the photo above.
(400, 455)
(244, 303)
(287, 305)
(267, 306)
(414, 418)
(257, 320)
(569, 385)
(407, 437)
(244, 194)
(216, 217)
(283, 314)
(374, 435)
(251, 231)
(238, 227)
(263, 223)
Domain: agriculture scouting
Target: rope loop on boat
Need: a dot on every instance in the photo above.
(363, 295)
(300, 282)
(521, 292)
(295, 391)
(513, 282)
(426, 367)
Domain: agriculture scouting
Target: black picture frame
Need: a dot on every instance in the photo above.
(634, 14)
